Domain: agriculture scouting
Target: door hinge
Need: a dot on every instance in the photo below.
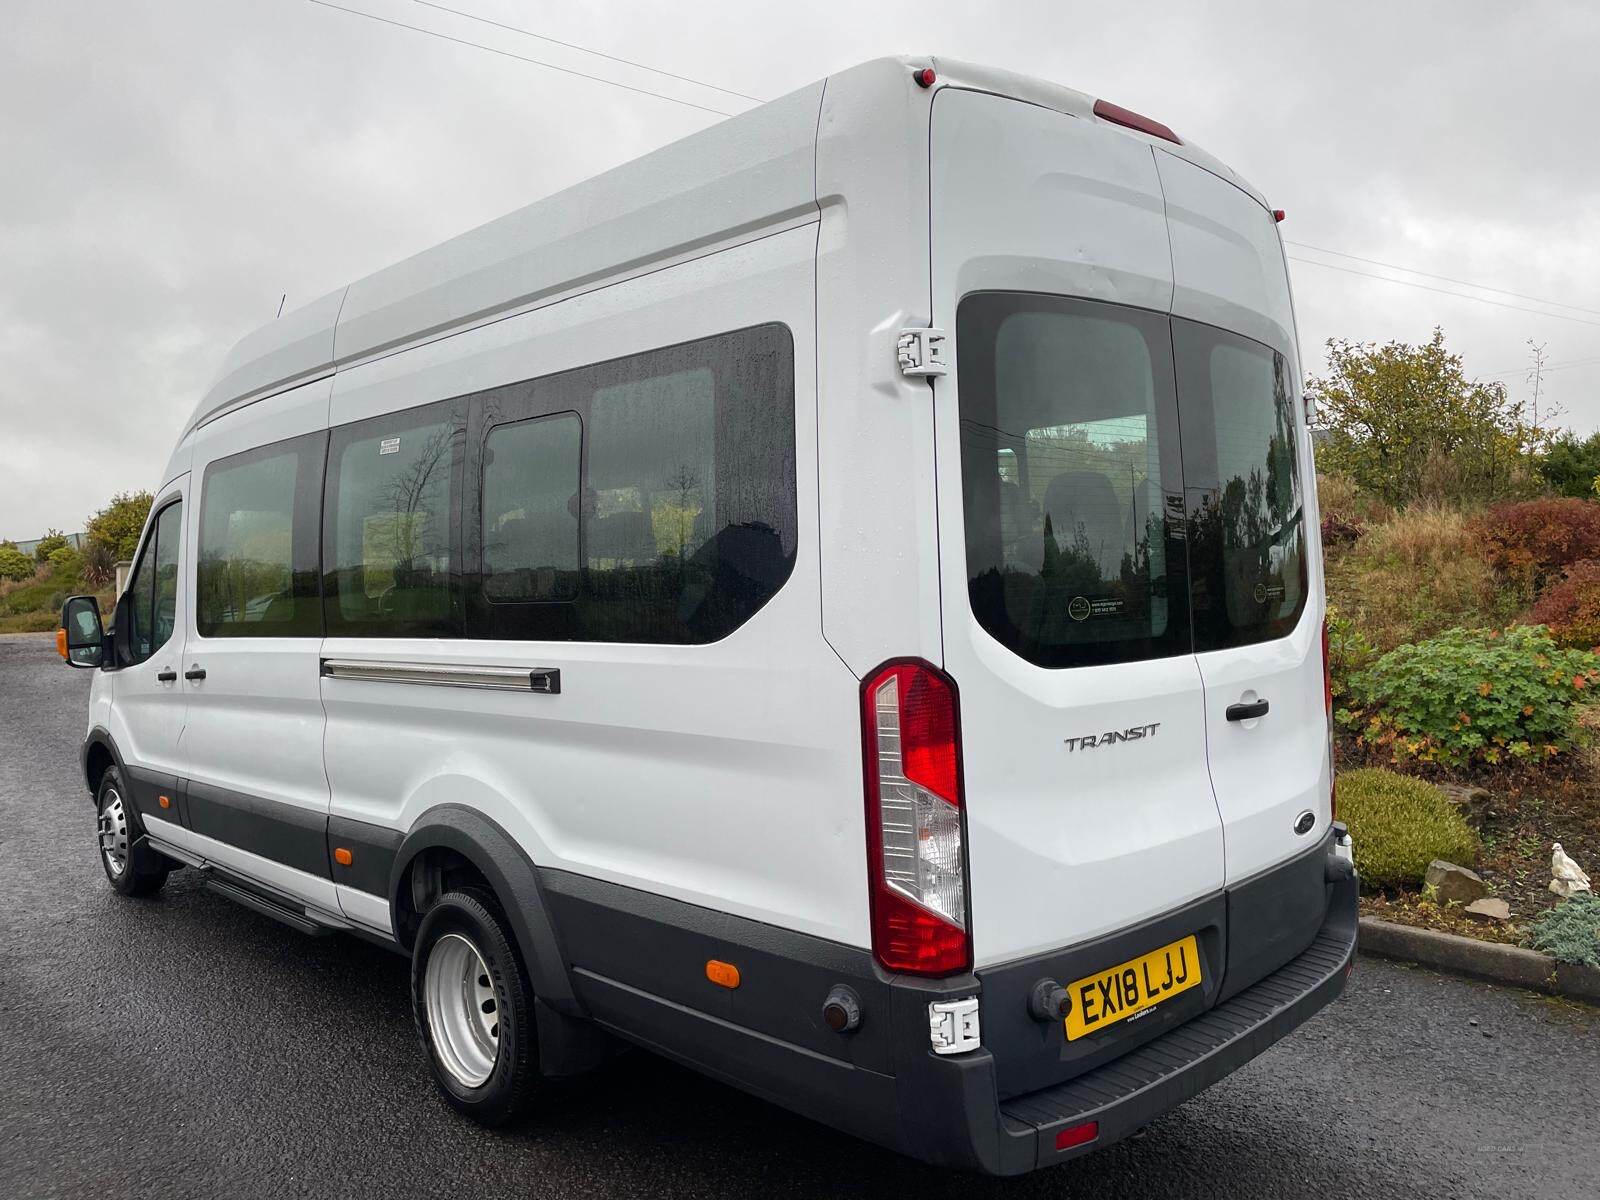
(921, 352)
(953, 1026)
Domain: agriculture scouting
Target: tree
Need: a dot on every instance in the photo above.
(1571, 463)
(118, 525)
(1406, 423)
(51, 541)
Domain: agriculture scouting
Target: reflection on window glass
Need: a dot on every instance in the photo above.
(169, 537)
(530, 509)
(1063, 445)
(141, 605)
(256, 576)
(685, 510)
(389, 518)
(1245, 522)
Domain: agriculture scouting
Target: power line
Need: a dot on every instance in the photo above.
(1482, 287)
(585, 50)
(1577, 362)
(520, 57)
(1311, 262)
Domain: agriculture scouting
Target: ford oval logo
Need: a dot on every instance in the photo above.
(1305, 822)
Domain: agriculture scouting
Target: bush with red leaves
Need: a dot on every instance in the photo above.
(1571, 607)
(1533, 541)
(1339, 530)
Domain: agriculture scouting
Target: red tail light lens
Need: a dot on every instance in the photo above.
(1327, 675)
(916, 859)
(1129, 119)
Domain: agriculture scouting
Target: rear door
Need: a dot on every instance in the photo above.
(1256, 581)
(1063, 561)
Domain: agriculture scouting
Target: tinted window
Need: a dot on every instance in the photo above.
(169, 537)
(135, 642)
(257, 573)
(1070, 465)
(675, 469)
(1246, 532)
(390, 523)
(530, 514)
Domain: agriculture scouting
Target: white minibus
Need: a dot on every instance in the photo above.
(836, 602)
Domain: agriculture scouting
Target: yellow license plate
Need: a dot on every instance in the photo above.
(1132, 988)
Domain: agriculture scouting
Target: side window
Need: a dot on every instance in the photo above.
(530, 509)
(390, 522)
(169, 538)
(136, 644)
(652, 501)
(257, 574)
(1070, 469)
(1246, 527)
(152, 591)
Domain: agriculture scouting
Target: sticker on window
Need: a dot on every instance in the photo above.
(389, 446)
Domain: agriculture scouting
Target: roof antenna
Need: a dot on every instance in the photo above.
(281, 299)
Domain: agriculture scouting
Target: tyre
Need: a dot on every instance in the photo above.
(132, 870)
(473, 1008)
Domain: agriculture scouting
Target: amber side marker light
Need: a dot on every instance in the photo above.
(61, 644)
(723, 974)
(164, 801)
(342, 856)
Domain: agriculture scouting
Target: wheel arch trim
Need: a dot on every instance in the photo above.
(515, 880)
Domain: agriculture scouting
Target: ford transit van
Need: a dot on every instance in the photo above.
(836, 602)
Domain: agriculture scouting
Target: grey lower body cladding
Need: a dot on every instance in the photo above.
(637, 966)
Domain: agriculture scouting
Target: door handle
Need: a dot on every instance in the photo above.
(1247, 712)
(199, 672)
(167, 676)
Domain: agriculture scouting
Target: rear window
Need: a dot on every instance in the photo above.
(1130, 482)
(1070, 464)
(1246, 532)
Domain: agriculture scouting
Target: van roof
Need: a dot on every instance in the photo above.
(712, 188)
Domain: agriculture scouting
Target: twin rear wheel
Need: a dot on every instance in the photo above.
(470, 994)
(473, 1007)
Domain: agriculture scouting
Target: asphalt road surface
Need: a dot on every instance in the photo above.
(184, 1046)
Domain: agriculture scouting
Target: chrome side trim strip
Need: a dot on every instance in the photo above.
(544, 680)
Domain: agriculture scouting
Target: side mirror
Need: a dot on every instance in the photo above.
(81, 640)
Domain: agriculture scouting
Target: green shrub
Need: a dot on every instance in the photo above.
(1399, 825)
(1570, 932)
(1472, 696)
(63, 560)
(49, 544)
(118, 525)
(14, 564)
(1349, 653)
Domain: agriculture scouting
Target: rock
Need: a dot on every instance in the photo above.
(1450, 884)
(1489, 909)
(1472, 802)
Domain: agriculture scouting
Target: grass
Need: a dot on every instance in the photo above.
(1417, 574)
(33, 605)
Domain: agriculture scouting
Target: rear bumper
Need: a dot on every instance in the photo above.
(634, 963)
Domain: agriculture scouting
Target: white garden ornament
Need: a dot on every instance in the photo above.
(1566, 876)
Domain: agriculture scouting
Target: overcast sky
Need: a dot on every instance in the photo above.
(170, 168)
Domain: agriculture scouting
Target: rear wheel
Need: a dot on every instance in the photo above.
(131, 871)
(473, 1008)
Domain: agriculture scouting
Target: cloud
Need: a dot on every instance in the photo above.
(172, 169)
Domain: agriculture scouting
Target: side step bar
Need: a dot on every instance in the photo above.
(268, 908)
(291, 912)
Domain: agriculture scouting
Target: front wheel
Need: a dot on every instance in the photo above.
(473, 1008)
(132, 872)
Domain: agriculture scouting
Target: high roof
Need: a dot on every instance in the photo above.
(752, 171)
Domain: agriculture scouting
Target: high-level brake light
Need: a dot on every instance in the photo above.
(1129, 119)
(917, 865)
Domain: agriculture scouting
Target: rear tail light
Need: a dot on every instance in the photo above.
(915, 856)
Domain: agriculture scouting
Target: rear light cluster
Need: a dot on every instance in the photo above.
(916, 860)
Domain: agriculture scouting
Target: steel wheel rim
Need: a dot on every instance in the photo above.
(463, 1010)
(113, 825)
